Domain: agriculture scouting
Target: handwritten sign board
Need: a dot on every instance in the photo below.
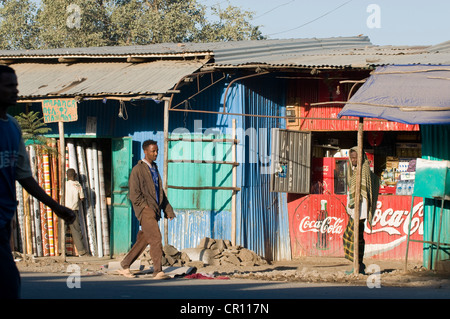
(59, 110)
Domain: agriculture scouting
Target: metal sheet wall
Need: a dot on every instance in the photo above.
(315, 232)
(323, 117)
(196, 217)
(262, 223)
(190, 226)
(144, 121)
(330, 111)
(263, 218)
(212, 173)
(435, 146)
(291, 155)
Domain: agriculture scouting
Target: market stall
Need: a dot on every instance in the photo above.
(318, 218)
(415, 94)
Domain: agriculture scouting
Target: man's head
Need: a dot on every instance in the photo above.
(71, 174)
(8, 86)
(150, 148)
(353, 157)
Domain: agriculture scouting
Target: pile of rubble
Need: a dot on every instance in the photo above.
(209, 252)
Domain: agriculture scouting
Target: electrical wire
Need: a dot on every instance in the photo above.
(273, 9)
(309, 22)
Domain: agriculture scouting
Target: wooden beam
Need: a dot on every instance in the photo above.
(358, 197)
(166, 163)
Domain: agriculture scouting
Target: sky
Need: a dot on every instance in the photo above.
(385, 22)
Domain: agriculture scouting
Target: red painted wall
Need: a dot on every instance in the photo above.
(315, 234)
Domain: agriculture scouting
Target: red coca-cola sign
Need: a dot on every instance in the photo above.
(328, 225)
(316, 231)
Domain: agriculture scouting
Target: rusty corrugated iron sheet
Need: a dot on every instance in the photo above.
(329, 122)
(41, 80)
(320, 100)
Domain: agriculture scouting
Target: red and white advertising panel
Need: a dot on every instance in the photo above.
(316, 231)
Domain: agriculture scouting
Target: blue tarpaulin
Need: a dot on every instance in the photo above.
(411, 94)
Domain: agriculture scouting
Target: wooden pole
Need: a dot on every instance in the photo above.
(166, 162)
(233, 196)
(358, 197)
(62, 188)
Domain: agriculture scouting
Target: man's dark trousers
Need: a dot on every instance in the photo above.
(9, 274)
(148, 235)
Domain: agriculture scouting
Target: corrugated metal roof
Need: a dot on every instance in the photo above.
(111, 51)
(356, 56)
(271, 51)
(95, 79)
(222, 50)
(100, 79)
(334, 52)
(441, 47)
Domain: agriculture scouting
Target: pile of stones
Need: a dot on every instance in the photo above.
(223, 253)
(209, 252)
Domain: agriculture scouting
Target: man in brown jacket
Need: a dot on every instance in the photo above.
(148, 199)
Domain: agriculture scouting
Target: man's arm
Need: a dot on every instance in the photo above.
(134, 191)
(33, 188)
(167, 208)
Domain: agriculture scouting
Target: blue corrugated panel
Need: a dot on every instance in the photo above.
(435, 146)
(190, 226)
(264, 226)
(186, 173)
(262, 222)
(144, 121)
(262, 216)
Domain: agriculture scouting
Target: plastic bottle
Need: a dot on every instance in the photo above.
(410, 187)
(399, 190)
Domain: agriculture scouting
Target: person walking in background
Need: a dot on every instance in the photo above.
(15, 166)
(368, 204)
(75, 194)
(148, 199)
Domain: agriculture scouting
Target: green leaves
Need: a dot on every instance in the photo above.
(33, 127)
(85, 23)
(233, 24)
(72, 23)
(17, 25)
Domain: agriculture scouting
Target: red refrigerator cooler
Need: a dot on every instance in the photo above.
(329, 175)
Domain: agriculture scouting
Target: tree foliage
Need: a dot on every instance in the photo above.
(33, 127)
(17, 25)
(71, 23)
(27, 24)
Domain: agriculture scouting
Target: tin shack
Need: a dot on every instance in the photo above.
(224, 116)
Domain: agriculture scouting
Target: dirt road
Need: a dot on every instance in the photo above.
(307, 269)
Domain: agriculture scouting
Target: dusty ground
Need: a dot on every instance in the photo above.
(307, 269)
